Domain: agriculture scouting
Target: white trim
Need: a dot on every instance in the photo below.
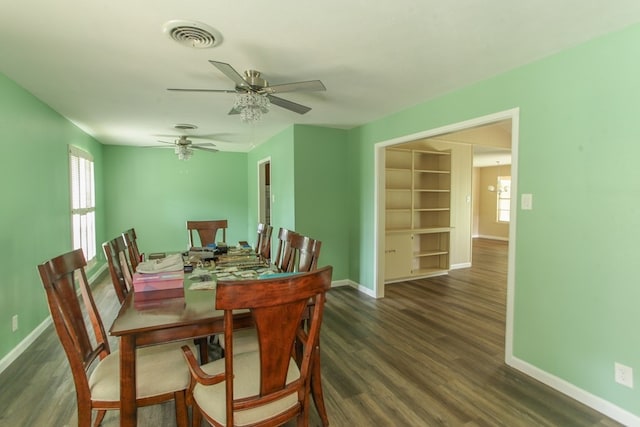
(259, 165)
(340, 283)
(483, 236)
(511, 256)
(34, 334)
(599, 404)
(459, 266)
(364, 290)
(24, 344)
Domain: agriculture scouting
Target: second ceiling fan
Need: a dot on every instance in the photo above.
(253, 91)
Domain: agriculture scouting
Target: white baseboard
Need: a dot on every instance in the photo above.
(34, 334)
(357, 286)
(460, 265)
(482, 236)
(24, 344)
(599, 404)
(339, 283)
(362, 289)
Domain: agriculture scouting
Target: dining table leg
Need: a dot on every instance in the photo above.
(128, 408)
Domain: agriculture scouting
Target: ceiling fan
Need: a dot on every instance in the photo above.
(184, 147)
(251, 84)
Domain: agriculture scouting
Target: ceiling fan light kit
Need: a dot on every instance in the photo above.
(183, 147)
(251, 106)
(184, 153)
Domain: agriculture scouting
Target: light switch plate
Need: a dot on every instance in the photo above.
(527, 202)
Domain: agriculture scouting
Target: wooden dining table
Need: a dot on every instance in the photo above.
(145, 321)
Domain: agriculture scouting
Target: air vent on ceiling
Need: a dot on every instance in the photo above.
(185, 126)
(192, 34)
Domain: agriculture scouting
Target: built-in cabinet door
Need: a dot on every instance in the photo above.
(398, 256)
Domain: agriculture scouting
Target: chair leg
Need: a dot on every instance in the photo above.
(316, 386)
(182, 414)
(99, 417)
(203, 347)
(196, 416)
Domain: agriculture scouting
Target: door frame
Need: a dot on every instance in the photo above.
(379, 204)
(264, 200)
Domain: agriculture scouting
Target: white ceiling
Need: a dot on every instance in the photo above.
(106, 65)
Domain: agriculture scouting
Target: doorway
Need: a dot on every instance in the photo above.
(264, 191)
(512, 116)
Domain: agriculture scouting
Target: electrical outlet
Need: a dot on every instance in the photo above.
(14, 323)
(623, 375)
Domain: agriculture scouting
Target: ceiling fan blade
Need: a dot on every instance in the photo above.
(289, 105)
(204, 144)
(234, 111)
(311, 85)
(230, 72)
(201, 90)
(213, 137)
(200, 147)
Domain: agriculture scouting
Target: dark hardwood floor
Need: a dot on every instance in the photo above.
(428, 354)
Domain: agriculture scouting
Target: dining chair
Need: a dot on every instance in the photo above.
(305, 252)
(263, 242)
(131, 240)
(283, 254)
(266, 387)
(207, 231)
(245, 340)
(115, 251)
(162, 374)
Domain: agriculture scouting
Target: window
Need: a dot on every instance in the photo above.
(504, 198)
(83, 202)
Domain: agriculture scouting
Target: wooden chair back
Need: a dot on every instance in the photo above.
(115, 251)
(283, 254)
(131, 240)
(263, 242)
(207, 231)
(282, 301)
(59, 276)
(305, 253)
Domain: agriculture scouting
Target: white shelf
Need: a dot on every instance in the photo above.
(418, 200)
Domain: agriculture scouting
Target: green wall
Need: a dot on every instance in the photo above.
(308, 183)
(279, 150)
(321, 193)
(154, 192)
(576, 285)
(35, 217)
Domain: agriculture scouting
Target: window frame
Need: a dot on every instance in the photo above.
(503, 181)
(82, 202)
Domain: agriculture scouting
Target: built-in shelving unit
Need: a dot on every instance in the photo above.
(417, 212)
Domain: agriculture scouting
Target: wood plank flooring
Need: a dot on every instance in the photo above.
(428, 354)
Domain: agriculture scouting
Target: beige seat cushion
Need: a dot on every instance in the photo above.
(244, 340)
(246, 366)
(160, 369)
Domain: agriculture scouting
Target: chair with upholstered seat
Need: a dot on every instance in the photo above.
(266, 387)
(162, 374)
(263, 242)
(283, 255)
(305, 253)
(207, 231)
(131, 240)
(115, 251)
(303, 257)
